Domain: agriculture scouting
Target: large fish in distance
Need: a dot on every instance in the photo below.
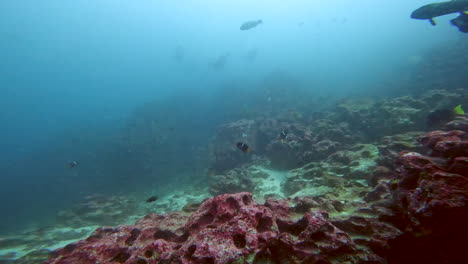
(250, 24)
(439, 9)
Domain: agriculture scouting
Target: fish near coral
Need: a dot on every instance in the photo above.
(458, 110)
(152, 199)
(243, 147)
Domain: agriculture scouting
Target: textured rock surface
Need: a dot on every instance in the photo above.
(225, 229)
(341, 170)
(356, 162)
(304, 144)
(235, 180)
(391, 122)
(390, 146)
(432, 198)
(374, 119)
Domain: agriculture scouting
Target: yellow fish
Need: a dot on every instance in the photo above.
(458, 110)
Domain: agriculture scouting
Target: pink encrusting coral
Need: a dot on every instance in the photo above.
(432, 197)
(230, 228)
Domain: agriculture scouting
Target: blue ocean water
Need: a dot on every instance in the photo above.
(74, 75)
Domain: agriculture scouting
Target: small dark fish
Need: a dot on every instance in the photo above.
(243, 147)
(283, 135)
(72, 164)
(152, 199)
(250, 24)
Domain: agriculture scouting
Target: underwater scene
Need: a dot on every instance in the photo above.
(233, 132)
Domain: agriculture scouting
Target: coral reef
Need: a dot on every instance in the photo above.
(355, 162)
(390, 146)
(305, 144)
(329, 192)
(230, 228)
(460, 123)
(352, 207)
(375, 119)
(432, 198)
(394, 122)
(342, 169)
(236, 180)
(378, 118)
(359, 140)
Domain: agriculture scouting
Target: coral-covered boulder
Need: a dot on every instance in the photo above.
(460, 123)
(230, 228)
(432, 196)
(390, 146)
(446, 144)
(151, 237)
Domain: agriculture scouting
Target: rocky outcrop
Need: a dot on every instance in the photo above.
(225, 229)
(371, 119)
(374, 119)
(393, 123)
(432, 197)
(233, 181)
(390, 146)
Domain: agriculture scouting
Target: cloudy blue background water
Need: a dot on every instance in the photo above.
(72, 72)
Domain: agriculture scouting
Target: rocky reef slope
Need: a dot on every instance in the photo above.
(415, 212)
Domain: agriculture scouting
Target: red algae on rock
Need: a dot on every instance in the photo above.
(230, 228)
(432, 198)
